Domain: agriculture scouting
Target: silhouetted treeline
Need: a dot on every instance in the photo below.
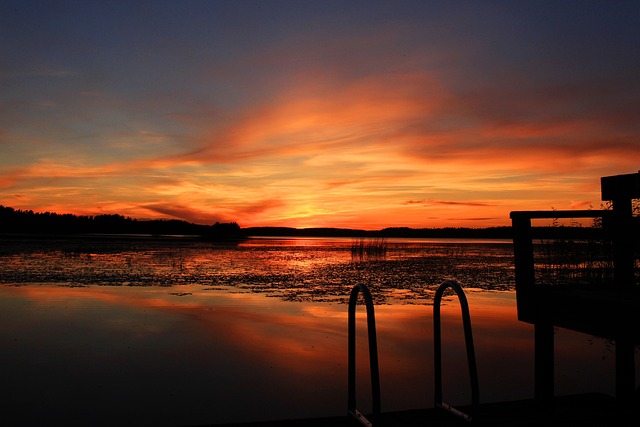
(406, 232)
(29, 222)
(17, 221)
(504, 232)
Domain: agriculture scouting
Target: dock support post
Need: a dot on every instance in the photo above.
(620, 190)
(544, 363)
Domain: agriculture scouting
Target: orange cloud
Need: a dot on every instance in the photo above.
(309, 120)
(441, 202)
(384, 150)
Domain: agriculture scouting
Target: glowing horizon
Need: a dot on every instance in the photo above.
(336, 114)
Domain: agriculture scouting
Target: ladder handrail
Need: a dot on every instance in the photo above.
(373, 356)
(437, 345)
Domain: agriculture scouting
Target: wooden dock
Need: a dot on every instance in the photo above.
(609, 310)
(592, 409)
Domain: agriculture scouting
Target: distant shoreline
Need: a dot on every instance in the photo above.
(18, 223)
(399, 232)
(249, 232)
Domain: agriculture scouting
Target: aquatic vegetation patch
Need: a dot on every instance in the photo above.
(396, 273)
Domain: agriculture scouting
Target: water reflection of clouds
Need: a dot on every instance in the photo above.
(235, 352)
(242, 346)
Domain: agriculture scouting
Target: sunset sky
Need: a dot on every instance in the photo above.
(355, 114)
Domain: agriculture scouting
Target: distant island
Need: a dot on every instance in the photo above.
(20, 222)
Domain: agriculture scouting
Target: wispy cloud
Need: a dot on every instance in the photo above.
(446, 202)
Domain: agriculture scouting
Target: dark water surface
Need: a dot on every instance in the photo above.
(138, 331)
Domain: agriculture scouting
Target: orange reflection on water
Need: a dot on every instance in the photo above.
(243, 356)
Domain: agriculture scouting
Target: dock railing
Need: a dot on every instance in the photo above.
(609, 308)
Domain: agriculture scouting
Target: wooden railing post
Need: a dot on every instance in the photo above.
(620, 190)
(523, 261)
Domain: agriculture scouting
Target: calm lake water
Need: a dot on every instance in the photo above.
(140, 331)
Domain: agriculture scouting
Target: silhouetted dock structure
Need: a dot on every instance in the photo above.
(608, 307)
(575, 410)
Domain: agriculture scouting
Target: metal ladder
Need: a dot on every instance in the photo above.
(437, 341)
(471, 356)
(373, 357)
